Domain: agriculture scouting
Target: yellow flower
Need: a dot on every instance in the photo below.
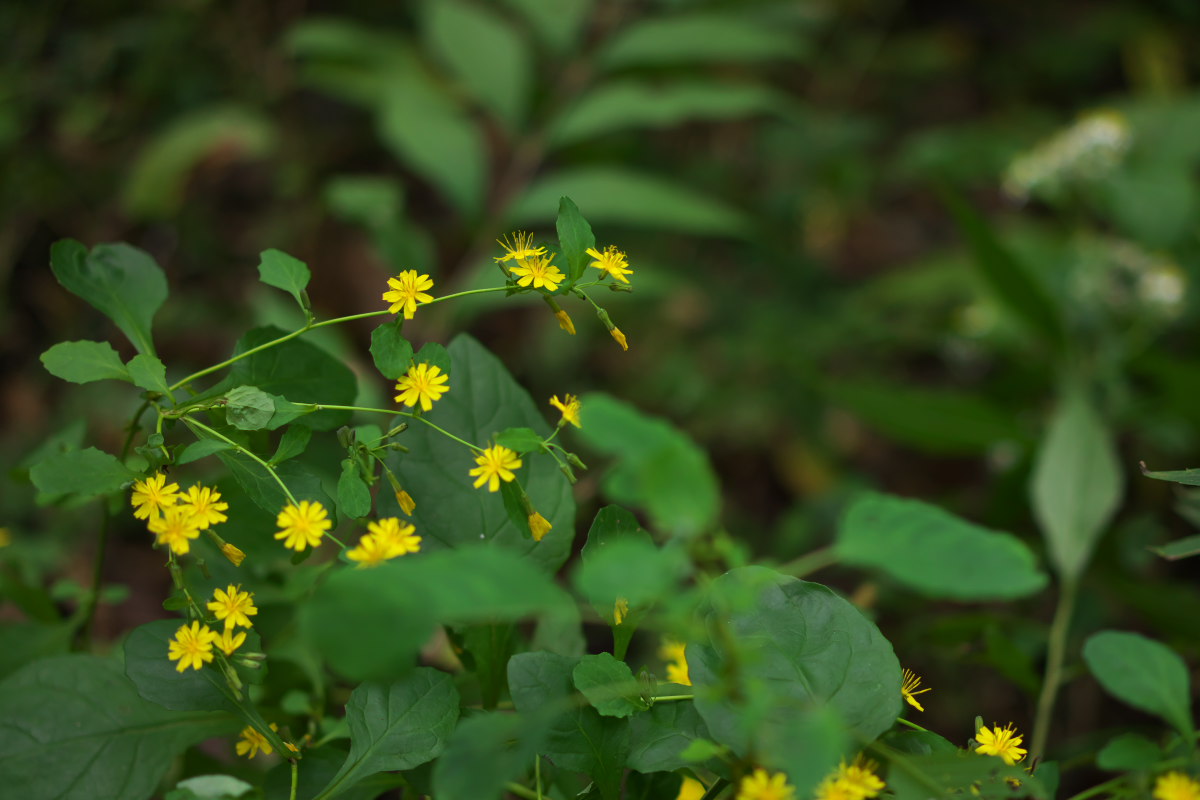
(519, 245)
(760, 785)
(252, 741)
(1176, 786)
(233, 553)
(540, 272)
(620, 610)
(422, 384)
(909, 689)
(371, 551)
(856, 781)
(175, 528)
(674, 653)
(539, 526)
(565, 322)
(385, 540)
(234, 606)
(302, 526)
(152, 495)
(495, 464)
(1000, 742)
(407, 504)
(569, 407)
(612, 261)
(228, 642)
(408, 289)
(619, 337)
(690, 789)
(206, 505)
(191, 647)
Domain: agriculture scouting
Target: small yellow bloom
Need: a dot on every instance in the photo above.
(565, 322)
(761, 785)
(909, 689)
(620, 610)
(302, 526)
(612, 261)
(407, 504)
(152, 495)
(539, 526)
(371, 551)
(619, 337)
(540, 272)
(519, 245)
(234, 606)
(1176, 786)
(206, 505)
(859, 778)
(675, 654)
(408, 289)
(233, 553)
(228, 642)
(690, 789)
(252, 741)
(1000, 742)
(495, 464)
(569, 407)
(191, 647)
(422, 384)
(175, 528)
(385, 539)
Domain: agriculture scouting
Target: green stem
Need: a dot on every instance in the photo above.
(521, 791)
(903, 721)
(295, 779)
(1099, 788)
(666, 698)
(537, 775)
(810, 563)
(714, 790)
(1056, 649)
(436, 300)
(192, 421)
(93, 600)
(409, 414)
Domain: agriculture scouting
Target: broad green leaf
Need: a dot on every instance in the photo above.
(397, 725)
(248, 408)
(371, 201)
(201, 449)
(1153, 204)
(1128, 752)
(522, 440)
(121, 281)
(158, 180)
(807, 744)
(622, 105)
(661, 736)
(82, 473)
(293, 443)
(623, 197)
(658, 467)
(434, 355)
(1010, 281)
(483, 400)
(1076, 484)
(558, 23)
(484, 52)
(1180, 548)
(304, 483)
(84, 362)
(158, 680)
(277, 268)
(575, 237)
(24, 642)
(935, 552)
(149, 373)
(486, 751)
(209, 787)
(371, 623)
(1143, 673)
(391, 352)
(700, 37)
(1188, 477)
(486, 649)
(74, 728)
(608, 684)
(353, 496)
(799, 646)
(956, 773)
(632, 568)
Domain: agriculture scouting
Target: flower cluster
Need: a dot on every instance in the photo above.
(193, 644)
(177, 518)
(386, 539)
(855, 781)
(533, 268)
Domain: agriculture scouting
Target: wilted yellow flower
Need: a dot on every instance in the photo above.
(1000, 742)
(564, 321)
(909, 689)
(539, 526)
(422, 384)
(303, 525)
(407, 504)
(519, 245)
(612, 261)
(569, 407)
(175, 528)
(408, 289)
(206, 505)
(152, 495)
(233, 605)
(619, 337)
(192, 646)
(495, 464)
(620, 610)
(761, 785)
(233, 553)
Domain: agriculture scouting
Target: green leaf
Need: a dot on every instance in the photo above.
(1180, 548)
(397, 725)
(149, 373)
(490, 58)
(74, 728)
(1188, 477)
(293, 443)
(391, 352)
(935, 552)
(82, 473)
(802, 647)
(1128, 752)
(201, 449)
(522, 440)
(209, 787)
(353, 496)
(658, 467)
(1076, 484)
(1011, 281)
(372, 623)
(622, 197)
(84, 362)
(482, 400)
(631, 568)
(701, 37)
(608, 684)
(956, 773)
(1143, 673)
(248, 408)
(434, 355)
(158, 680)
(22, 643)
(622, 105)
(664, 737)
(575, 237)
(276, 268)
(558, 23)
(304, 483)
(120, 281)
(485, 752)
